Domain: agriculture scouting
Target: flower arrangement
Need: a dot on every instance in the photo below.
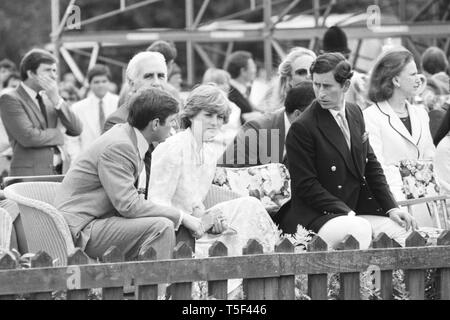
(269, 183)
(418, 179)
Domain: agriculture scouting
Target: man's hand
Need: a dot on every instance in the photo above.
(50, 87)
(194, 224)
(403, 218)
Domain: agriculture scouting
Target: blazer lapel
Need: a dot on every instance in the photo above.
(30, 105)
(416, 127)
(334, 135)
(133, 138)
(279, 123)
(356, 137)
(395, 122)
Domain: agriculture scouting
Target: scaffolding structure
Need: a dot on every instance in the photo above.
(67, 43)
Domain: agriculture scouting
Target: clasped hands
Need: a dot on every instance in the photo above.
(201, 222)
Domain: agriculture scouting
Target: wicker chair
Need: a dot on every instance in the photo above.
(44, 226)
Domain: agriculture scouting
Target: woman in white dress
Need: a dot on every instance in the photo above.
(397, 129)
(183, 169)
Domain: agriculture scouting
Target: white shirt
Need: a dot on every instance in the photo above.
(87, 110)
(182, 173)
(143, 146)
(31, 93)
(335, 113)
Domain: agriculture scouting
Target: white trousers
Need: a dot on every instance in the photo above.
(363, 228)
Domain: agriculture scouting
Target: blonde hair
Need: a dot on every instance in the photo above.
(277, 93)
(207, 97)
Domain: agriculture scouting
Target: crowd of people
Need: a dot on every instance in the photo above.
(139, 163)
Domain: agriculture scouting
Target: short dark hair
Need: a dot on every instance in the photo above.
(33, 59)
(434, 60)
(13, 75)
(387, 67)
(148, 104)
(167, 49)
(8, 64)
(236, 61)
(98, 70)
(333, 61)
(299, 97)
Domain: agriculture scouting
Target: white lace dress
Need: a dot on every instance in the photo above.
(181, 176)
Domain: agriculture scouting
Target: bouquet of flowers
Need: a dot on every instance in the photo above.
(418, 179)
(269, 183)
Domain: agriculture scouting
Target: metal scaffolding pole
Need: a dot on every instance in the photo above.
(189, 43)
(268, 62)
(55, 24)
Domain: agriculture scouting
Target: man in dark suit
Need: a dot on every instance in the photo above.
(242, 69)
(31, 115)
(338, 186)
(262, 140)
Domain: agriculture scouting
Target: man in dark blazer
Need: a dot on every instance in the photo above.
(338, 186)
(242, 69)
(262, 140)
(36, 117)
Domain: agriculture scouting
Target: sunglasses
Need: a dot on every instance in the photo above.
(301, 72)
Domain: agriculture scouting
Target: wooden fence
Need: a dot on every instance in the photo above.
(265, 276)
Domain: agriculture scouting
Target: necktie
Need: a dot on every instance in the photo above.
(344, 128)
(42, 107)
(148, 164)
(101, 115)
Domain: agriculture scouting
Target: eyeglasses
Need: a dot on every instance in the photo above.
(301, 72)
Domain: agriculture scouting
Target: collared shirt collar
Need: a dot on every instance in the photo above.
(142, 143)
(96, 99)
(239, 86)
(334, 113)
(30, 92)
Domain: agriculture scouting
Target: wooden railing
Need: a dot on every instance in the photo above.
(265, 275)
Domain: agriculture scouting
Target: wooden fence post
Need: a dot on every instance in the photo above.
(415, 279)
(113, 255)
(444, 273)
(349, 281)
(318, 283)
(184, 235)
(7, 261)
(41, 260)
(286, 284)
(77, 258)
(147, 292)
(182, 290)
(253, 288)
(218, 289)
(380, 242)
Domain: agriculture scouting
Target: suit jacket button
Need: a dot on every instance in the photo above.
(367, 159)
(333, 168)
(339, 187)
(369, 198)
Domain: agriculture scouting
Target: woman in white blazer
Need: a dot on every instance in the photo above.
(397, 129)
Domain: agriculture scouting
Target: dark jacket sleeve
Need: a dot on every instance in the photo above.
(301, 152)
